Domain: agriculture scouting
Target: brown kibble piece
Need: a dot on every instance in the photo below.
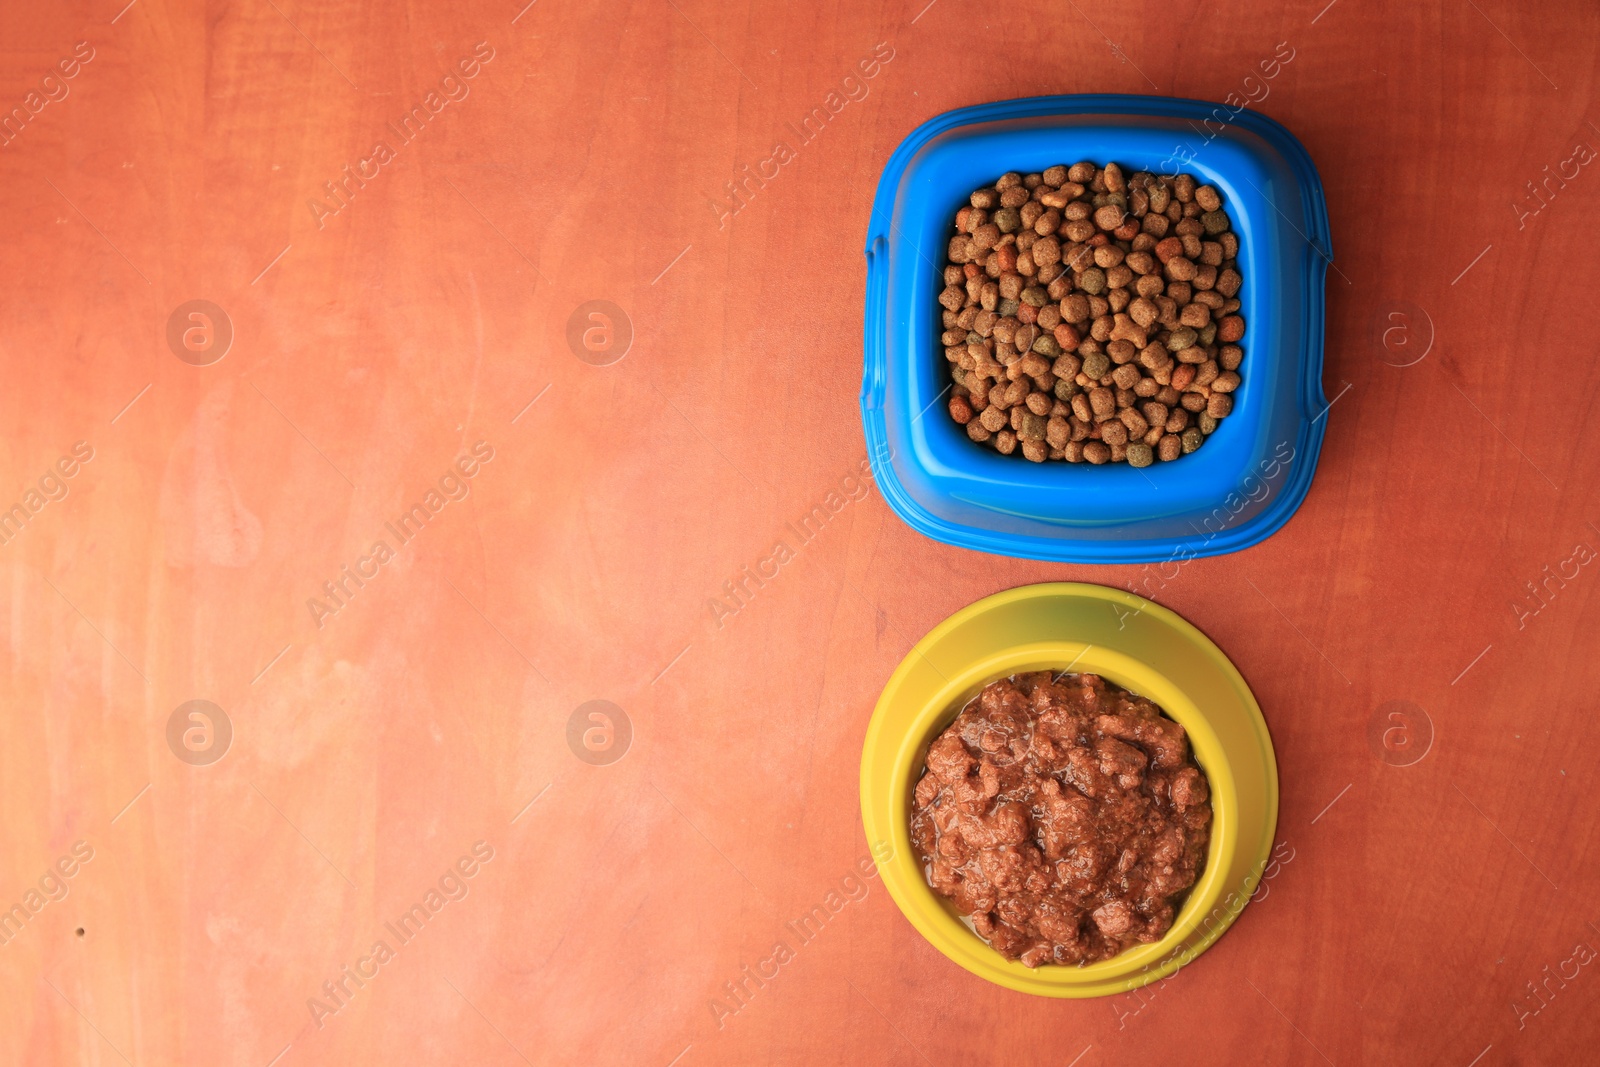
(1143, 311)
(1108, 217)
(1078, 229)
(1170, 448)
(1181, 269)
(1075, 308)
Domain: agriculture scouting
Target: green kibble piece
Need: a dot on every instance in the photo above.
(1183, 337)
(1065, 389)
(1192, 439)
(1140, 455)
(1093, 281)
(1008, 220)
(1208, 334)
(959, 374)
(1034, 296)
(1096, 365)
(1215, 222)
(1046, 346)
(1207, 423)
(1007, 309)
(1032, 427)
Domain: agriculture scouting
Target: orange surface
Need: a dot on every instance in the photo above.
(375, 344)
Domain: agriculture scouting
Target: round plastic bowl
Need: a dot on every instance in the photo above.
(1145, 648)
(1252, 473)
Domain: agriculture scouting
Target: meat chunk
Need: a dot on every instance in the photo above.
(1120, 761)
(1083, 771)
(1114, 919)
(1011, 824)
(949, 759)
(1189, 789)
(1166, 742)
(1036, 953)
(1066, 817)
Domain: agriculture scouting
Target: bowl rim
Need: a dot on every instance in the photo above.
(1064, 541)
(886, 803)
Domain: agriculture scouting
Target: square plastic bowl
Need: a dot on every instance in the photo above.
(1251, 474)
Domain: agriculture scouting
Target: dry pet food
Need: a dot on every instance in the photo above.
(1064, 817)
(1092, 316)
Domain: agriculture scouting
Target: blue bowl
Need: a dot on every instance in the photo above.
(1250, 475)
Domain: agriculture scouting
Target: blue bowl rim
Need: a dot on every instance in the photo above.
(1065, 547)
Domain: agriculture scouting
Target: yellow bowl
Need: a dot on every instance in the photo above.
(1134, 643)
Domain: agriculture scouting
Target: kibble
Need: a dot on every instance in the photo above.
(1091, 315)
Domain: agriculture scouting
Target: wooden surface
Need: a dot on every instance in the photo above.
(377, 343)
